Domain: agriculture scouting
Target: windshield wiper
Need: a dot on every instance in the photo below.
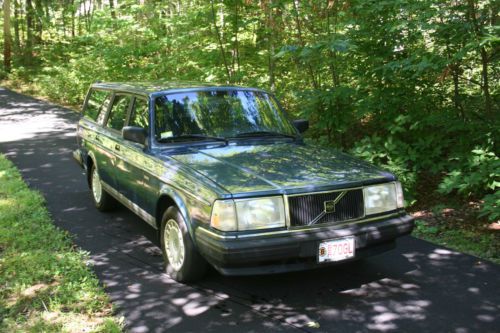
(187, 137)
(264, 133)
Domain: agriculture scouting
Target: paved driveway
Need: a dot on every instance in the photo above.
(419, 287)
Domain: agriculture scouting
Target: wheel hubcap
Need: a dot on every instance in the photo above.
(174, 244)
(96, 186)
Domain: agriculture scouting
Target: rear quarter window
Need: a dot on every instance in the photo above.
(97, 104)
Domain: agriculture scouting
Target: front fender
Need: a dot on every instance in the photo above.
(179, 201)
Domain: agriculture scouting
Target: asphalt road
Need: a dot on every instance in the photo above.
(419, 287)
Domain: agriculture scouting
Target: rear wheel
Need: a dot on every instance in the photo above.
(182, 261)
(102, 200)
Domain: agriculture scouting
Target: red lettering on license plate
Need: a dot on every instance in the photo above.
(336, 249)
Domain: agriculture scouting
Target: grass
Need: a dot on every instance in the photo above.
(45, 283)
(451, 221)
(482, 245)
(460, 230)
(23, 85)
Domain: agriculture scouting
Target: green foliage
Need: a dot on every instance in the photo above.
(400, 83)
(477, 174)
(483, 245)
(41, 274)
(390, 155)
(331, 112)
(491, 206)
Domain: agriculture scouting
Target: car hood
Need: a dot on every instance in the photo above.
(244, 170)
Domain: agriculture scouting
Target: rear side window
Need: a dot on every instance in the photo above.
(140, 114)
(97, 104)
(119, 110)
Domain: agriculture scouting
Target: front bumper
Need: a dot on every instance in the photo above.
(293, 250)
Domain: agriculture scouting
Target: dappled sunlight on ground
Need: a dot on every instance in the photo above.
(29, 119)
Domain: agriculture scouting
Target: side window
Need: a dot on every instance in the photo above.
(140, 114)
(119, 110)
(97, 104)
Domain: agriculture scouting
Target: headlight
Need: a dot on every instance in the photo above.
(382, 198)
(260, 213)
(248, 214)
(400, 201)
(224, 216)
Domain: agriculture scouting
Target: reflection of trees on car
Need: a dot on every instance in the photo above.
(222, 113)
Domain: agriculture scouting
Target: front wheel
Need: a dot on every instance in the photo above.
(182, 261)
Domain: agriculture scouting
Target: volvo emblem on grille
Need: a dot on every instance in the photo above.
(330, 204)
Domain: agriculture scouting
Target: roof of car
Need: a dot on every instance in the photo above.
(149, 88)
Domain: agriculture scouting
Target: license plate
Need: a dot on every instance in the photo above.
(336, 249)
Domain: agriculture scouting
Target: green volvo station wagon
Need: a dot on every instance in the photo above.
(226, 179)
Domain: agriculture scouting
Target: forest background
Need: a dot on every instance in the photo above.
(412, 86)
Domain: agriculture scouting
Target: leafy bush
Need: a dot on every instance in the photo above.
(477, 175)
(391, 155)
(480, 173)
(3, 74)
(399, 83)
(491, 206)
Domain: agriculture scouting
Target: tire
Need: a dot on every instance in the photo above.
(102, 200)
(182, 261)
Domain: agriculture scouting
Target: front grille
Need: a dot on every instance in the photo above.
(306, 208)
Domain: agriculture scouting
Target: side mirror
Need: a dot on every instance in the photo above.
(301, 125)
(134, 134)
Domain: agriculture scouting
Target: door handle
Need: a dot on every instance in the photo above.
(117, 147)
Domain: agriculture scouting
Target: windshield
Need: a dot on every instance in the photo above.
(218, 114)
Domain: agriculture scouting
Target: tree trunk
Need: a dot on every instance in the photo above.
(87, 13)
(22, 26)
(456, 90)
(17, 39)
(63, 19)
(73, 13)
(271, 46)
(91, 15)
(7, 40)
(455, 72)
(484, 59)
(38, 22)
(228, 73)
(302, 42)
(112, 8)
(29, 32)
(236, 48)
(332, 54)
(486, 84)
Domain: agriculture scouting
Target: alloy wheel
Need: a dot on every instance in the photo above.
(174, 244)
